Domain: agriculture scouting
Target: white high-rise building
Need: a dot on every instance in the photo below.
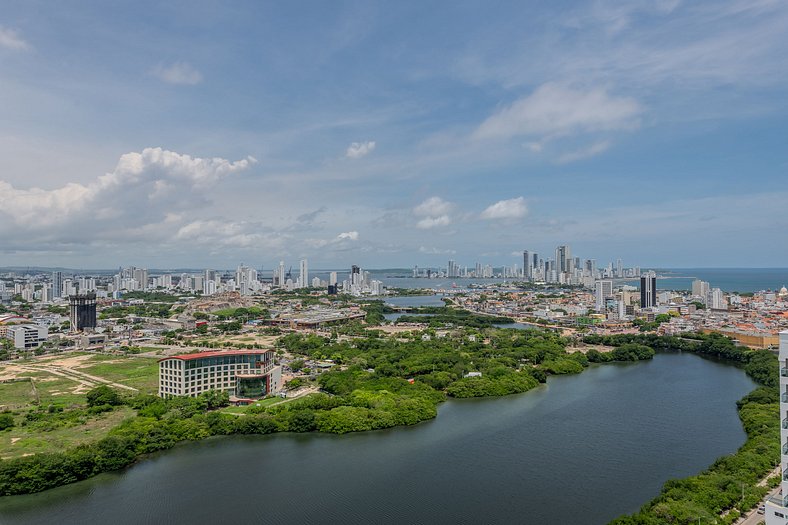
(604, 290)
(303, 274)
(279, 275)
(700, 289)
(716, 300)
(777, 506)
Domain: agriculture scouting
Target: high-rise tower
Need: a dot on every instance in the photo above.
(777, 506)
(648, 290)
(57, 285)
(83, 311)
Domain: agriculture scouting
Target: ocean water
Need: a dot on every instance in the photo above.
(728, 279)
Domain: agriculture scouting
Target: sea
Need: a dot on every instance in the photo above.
(742, 280)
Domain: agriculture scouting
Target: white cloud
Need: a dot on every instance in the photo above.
(434, 212)
(436, 251)
(178, 73)
(506, 209)
(351, 236)
(433, 222)
(555, 110)
(594, 149)
(360, 149)
(433, 207)
(145, 189)
(10, 39)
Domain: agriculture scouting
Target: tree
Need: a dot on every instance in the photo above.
(216, 398)
(295, 383)
(6, 421)
(103, 395)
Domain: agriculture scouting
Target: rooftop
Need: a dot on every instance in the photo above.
(200, 355)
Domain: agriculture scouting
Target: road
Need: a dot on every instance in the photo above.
(752, 517)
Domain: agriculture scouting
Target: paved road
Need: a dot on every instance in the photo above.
(753, 518)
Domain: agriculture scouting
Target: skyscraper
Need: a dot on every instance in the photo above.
(604, 291)
(648, 290)
(57, 285)
(563, 259)
(527, 266)
(83, 311)
(701, 289)
(280, 275)
(303, 275)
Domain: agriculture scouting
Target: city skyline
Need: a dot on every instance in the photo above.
(356, 132)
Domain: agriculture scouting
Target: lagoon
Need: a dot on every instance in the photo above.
(583, 449)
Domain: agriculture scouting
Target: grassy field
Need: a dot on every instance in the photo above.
(51, 389)
(58, 390)
(17, 394)
(141, 373)
(21, 440)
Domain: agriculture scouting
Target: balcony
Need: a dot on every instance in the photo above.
(784, 371)
(777, 500)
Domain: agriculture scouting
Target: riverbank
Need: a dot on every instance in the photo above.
(377, 383)
(360, 400)
(732, 485)
(612, 430)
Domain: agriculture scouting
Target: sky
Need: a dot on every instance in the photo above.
(393, 134)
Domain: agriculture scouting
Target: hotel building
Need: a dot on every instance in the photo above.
(247, 374)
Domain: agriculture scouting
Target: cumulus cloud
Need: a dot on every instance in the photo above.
(217, 232)
(351, 236)
(10, 39)
(359, 149)
(506, 209)
(594, 149)
(432, 207)
(178, 73)
(146, 188)
(557, 110)
(433, 222)
(434, 212)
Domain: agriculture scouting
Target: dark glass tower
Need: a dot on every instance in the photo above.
(83, 311)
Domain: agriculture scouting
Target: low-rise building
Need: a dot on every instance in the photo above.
(26, 336)
(247, 374)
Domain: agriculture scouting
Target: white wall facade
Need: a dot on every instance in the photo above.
(776, 511)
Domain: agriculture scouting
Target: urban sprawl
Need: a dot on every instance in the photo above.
(169, 315)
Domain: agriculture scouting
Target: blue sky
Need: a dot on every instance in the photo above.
(393, 134)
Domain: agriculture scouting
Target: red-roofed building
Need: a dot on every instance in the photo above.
(249, 374)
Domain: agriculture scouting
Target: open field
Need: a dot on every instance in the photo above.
(26, 440)
(16, 394)
(64, 380)
(141, 373)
